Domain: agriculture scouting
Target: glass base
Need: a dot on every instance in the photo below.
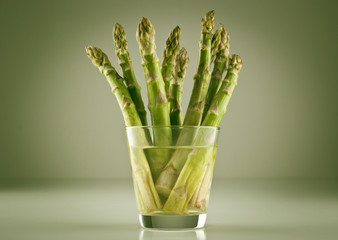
(173, 221)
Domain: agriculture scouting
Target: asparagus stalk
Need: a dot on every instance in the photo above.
(221, 57)
(220, 101)
(121, 49)
(176, 90)
(158, 103)
(170, 173)
(200, 199)
(168, 59)
(197, 99)
(179, 175)
(168, 177)
(140, 167)
(188, 180)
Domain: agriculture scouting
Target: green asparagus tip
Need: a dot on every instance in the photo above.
(225, 41)
(95, 54)
(210, 14)
(223, 34)
(145, 35)
(175, 36)
(235, 63)
(215, 42)
(177, 30)
(120, 40)
(209, 22)
(182, 61)
(118, 29)
(172, 46)
(100, 60)
(145, 26)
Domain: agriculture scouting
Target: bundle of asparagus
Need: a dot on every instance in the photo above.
(163, 180)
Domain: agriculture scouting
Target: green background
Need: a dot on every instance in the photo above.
(60, 120)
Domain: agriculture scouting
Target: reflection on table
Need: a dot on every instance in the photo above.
(198, 234)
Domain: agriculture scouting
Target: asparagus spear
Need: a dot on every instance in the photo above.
(170, 173)
(200, 199)
(158, 103)
(220, 101)
(140, 167)
(121, 49)
(196, 103)
(180, 179)
(175, 90)
(168, 59)
(101, 61)
(221, 57)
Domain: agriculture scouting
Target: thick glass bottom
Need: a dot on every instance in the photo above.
(192, 221)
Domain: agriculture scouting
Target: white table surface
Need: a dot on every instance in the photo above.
(106, 209)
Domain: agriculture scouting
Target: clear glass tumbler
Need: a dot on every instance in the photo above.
(172, 170)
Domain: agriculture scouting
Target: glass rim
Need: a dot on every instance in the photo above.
(174, 127)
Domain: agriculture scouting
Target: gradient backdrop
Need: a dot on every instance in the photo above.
(60, 120)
